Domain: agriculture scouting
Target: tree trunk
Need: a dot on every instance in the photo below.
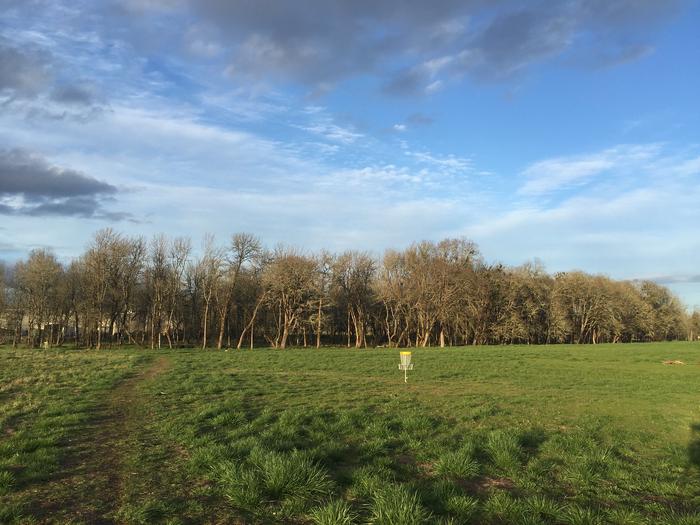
(359, 329)
(111, 331)
(250, 324)
(278, 335)
(153, 331)
(206, 321)
(318, 324)
(285, 334)
(123, 326)
(222, 327)
(99, 331)
(426, 337)
(170, 329)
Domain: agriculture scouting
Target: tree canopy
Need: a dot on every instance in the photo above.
(157, 293)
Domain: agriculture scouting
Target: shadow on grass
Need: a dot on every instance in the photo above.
(531, 440)
(694, 445)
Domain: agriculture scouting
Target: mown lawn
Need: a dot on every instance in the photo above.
(558, 434)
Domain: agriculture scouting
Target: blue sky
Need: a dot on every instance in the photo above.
(564, 131)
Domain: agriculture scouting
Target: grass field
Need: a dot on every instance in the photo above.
(560, 434)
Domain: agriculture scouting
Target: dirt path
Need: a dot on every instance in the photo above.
(94, 476)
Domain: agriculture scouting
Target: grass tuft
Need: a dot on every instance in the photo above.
(396, 504)
(543, 508)
(502, 508)
(241, 486)
(625, 517)
(287, 483)
(7, 480)
(677, 518)
(504, 450)
(575, 515)
(459, 464)
(463, 507)
(336, 512)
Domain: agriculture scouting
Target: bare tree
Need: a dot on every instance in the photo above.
(428, 294)
(178, 256)
(353, 282)
(667, 312)
(209, 273)
(253, 294)
(694, 326)
(324, 274)
(14, 305)
(38, 282)
(289, 283)
(157, 277)
(391, 287)
(244, 248)
(131, 257)
(101, 266)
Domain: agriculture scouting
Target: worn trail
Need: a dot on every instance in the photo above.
(94, 475)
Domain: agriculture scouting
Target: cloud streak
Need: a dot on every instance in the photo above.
(559, 173)
(23, 73)
(414, 47)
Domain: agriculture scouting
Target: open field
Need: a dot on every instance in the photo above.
(558, 434)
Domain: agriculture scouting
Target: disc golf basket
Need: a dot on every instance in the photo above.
(405, 365)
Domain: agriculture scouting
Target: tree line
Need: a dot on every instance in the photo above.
(126, 290)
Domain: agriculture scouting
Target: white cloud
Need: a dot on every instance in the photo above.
(564, 172)
(333, 132)
(182, 175)
(636, 221)
(200, 46)
(433, 87)
(688, 167)
(448, 163)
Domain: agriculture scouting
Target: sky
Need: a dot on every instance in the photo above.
(567, 132)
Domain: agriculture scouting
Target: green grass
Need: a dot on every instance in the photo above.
(46, 399)
(558, 434)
